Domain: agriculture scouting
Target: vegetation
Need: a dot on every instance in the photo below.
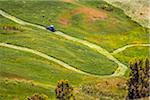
(38, 97)
(101, 28)
(22, 74)
(104, 89)
(107, 7)
(129, 53)
(16, 89)
(136, 9)
(64, 91)
(78, 56)
(18, 64)
(138, 83)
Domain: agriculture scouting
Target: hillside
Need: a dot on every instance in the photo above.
(138, 10)
(90, 48)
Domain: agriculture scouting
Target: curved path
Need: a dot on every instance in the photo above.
(44, 56)
(120, 70)
(19, 21)
(128, 46)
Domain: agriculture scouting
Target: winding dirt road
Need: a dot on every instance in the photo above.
(19, 21)
(121, 67)
(44, 56)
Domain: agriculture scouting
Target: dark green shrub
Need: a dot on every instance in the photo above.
(64, 91)
(107, 7)
(138, 83)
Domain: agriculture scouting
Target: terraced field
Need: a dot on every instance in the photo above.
(90, 43)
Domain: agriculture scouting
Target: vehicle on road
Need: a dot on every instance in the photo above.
(51, 28)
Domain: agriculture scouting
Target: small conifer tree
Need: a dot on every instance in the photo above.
(138, 83)
(64, 91)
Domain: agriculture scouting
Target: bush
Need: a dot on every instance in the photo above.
(138, 83)
(99, 89)
(38, 96)
(64, 91)
(107, 7)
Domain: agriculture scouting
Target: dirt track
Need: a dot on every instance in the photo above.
(128, 46)
(121, 67)
(43, 56)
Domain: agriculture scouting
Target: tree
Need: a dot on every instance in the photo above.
(64, 91)
(138, 83)
(38, 96)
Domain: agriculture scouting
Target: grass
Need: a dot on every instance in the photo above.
(104, 89)
(9, 89)
(17, 64)
(74, 54)
(102, 31)
(112, 32)
(129, 53)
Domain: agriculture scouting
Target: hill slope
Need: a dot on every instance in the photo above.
(138, 10)
(101, 27)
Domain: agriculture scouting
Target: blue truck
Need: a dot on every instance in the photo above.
(51, 28)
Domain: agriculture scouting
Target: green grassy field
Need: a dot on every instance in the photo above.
(29, 66)
(23, 74)
(12, 89)
(102, 31)
(16, 65)
(74, 54)
(20, 65)
(133, 52)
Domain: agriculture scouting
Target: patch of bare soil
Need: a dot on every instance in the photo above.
(64, 21)
(91, 13)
